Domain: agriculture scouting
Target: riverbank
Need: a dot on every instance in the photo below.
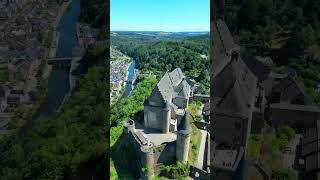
(45, 69)
(130, 78)
(61, 12)
(127, 75)
(55, 40)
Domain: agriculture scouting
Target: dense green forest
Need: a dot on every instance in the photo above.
(96, 13)
(287, 31)
(191, 54)
(66, 145)
(73, 143)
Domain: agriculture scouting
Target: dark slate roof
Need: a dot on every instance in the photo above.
(176, 76)
(222, 45)
(225, 35)
(236, 88)
(165, 88)
(272, 80)
(291, 89)
(173, 84)
(184, 126)
(295, 107)
(258, 68)
(182, 89)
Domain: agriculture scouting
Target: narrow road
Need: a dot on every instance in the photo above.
(202, 149)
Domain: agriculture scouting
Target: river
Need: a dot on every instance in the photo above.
(58, 83)
(129, 86)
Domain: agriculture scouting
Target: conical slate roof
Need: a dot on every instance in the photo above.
(184, 126)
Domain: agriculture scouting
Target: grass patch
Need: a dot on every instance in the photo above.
(285, 174)
(271, 157)
(193, 108)
(253, 145)
(275, 141)
(195, 141)
(175, 171)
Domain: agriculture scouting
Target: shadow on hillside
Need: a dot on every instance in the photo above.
(96, 168)
(125, 159)
(283, 55)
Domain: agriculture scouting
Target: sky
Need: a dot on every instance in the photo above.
(160, 15)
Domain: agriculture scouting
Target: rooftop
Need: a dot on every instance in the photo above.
(295, 107)
(173, 84)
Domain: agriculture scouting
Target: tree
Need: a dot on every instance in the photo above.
(248, 12)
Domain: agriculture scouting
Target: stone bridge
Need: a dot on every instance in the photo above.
(61, 61)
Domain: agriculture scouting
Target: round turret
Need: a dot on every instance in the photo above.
(147, 162)
(184, 126)
(183, 139)
(166, 117)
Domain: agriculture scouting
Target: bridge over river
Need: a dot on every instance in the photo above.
(66, 62)
(62, 61)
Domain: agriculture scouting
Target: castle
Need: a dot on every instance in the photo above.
(247, 95)
(164, 134)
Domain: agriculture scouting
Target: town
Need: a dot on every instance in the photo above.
(26, 33)
(119, 66)
(29, 40)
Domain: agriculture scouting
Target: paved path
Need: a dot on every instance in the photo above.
(202, 149)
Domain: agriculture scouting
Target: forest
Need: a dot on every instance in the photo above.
(191, 54)
(68, 145)
(287, 31)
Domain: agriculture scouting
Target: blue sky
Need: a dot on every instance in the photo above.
(160, 15)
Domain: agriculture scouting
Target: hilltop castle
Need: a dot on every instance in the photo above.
(164, 134)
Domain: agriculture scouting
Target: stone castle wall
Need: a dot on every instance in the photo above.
(293, 117)
(165, 153)
(152, 116)
(150, 157)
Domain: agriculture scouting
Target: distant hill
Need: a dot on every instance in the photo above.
(163, 51)
(156, 35)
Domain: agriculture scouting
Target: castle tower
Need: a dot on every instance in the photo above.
(166, 117)
(147, 162)
(183, 139)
